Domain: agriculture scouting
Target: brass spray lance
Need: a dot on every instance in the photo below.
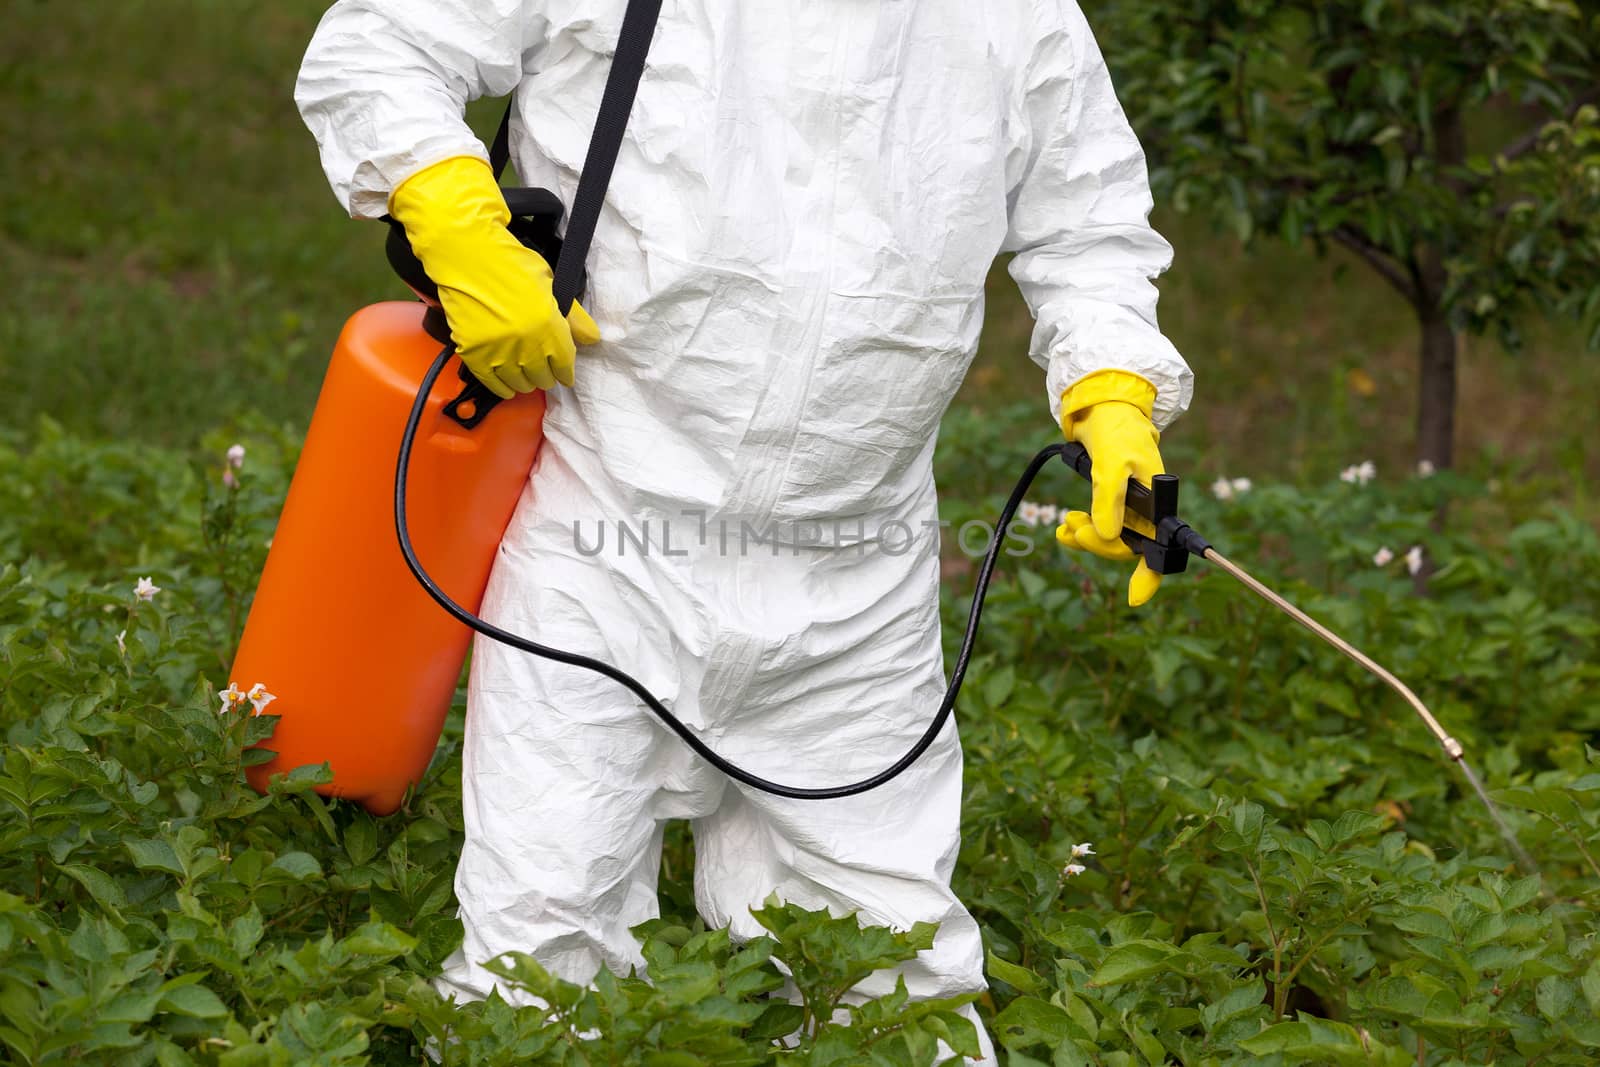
(1175, 541)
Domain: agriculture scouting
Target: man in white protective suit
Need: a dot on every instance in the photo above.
(788, 278)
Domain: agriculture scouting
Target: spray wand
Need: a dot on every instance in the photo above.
(1175, 541)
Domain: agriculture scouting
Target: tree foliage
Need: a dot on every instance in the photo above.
(1455, 147)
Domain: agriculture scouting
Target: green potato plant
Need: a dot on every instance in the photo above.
(1191, 835)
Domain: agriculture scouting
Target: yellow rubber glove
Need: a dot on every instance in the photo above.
(496, 293)
(1109, 414)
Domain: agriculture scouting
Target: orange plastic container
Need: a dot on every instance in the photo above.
(362, 662)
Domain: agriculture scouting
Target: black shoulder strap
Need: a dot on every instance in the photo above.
(627, 67)
(500, 150)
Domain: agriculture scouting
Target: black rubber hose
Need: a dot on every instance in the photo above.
(634, 686)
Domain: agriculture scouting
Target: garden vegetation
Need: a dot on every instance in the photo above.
(1192, 835)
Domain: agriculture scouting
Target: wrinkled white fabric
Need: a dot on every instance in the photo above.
(788, 275)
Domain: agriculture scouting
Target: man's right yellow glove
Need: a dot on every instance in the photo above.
(1109, 414)
(495, 292)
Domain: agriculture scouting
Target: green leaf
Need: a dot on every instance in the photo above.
(1029, 1021)
(1590, 984)
(1522, 892)
(1236, 1002)
(1556, 997)
(244, 933)
(1152, 1050)
(998, 686)
(101, 886)
(195, 1001)
(1320, 1041)
(1354, 824)
(293, 867)
(170, 1055)
(675, 1059)
(130, 1008)
(361, 839)
(154, 855)
(1132, 961)
(1019, 978)
(379, 939)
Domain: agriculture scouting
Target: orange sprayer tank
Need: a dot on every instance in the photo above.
(362, 662)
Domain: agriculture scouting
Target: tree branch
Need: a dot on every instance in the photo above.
(1379, 261)
(1530, 140)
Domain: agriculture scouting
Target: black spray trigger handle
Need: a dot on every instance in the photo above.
(1168, 551)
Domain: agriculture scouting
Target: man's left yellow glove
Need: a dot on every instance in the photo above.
(1109, 414)
(496, 294)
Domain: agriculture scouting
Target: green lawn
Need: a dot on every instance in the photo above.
(173, 257)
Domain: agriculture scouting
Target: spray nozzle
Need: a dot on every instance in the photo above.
(1174, 542)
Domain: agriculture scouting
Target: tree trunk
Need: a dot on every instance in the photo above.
(1436, 392)
(1436, 384)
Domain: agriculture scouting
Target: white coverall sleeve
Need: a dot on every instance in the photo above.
(1079, 206)
(385, 83)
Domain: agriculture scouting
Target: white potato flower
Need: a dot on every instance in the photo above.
(1359, 474)
(231, 698)
(259, 697)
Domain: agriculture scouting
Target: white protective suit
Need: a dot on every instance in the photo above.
(789, 278)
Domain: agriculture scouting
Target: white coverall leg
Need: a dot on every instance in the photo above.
(788, 276)
(807, 664)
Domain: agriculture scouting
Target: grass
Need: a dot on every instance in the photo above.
(173, 258)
